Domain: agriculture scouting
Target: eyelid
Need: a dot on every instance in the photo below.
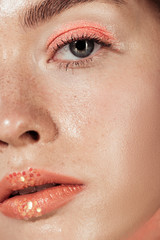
(79, 28)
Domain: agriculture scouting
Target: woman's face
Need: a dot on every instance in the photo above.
(92, 107)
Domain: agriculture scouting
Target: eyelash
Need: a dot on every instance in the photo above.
(83, 63)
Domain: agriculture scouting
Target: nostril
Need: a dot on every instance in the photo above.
(30, 136)
(3, 144)
(34, 135)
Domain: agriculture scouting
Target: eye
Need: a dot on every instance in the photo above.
(78, 49)
(75, 48)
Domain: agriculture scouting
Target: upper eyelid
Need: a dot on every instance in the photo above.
(81, 25)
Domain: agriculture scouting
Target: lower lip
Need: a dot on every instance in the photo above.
(38, 204)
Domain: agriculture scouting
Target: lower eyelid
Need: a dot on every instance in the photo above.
(89, 62)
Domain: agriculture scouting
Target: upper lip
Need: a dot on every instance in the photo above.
(32, 177)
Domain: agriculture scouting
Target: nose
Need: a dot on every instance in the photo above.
(22, 127)
(24, 115)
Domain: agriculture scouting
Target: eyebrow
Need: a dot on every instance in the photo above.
(46, 9)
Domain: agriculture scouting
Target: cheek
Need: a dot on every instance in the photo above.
(120, 141)
(129, 117)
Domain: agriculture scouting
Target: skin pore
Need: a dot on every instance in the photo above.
(97, 118)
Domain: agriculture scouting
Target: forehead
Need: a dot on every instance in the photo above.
(8, 7)
(41, 10)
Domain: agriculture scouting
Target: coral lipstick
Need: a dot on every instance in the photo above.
(34, 193)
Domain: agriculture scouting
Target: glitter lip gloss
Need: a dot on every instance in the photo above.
(36, 197)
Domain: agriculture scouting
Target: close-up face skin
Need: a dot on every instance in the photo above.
(79, 108)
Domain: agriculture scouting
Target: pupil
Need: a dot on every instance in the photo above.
(82, 48)
(81, 45)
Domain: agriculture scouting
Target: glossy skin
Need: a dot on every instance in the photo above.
(99, 124)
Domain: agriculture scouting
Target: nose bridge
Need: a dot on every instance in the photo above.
(10, 42)
(10, 59)
(11, 74)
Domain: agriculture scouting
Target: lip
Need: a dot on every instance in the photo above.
(33, 205)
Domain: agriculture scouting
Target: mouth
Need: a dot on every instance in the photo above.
(35, 193)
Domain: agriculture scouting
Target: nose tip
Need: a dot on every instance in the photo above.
(17, 133)
(20, 130)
